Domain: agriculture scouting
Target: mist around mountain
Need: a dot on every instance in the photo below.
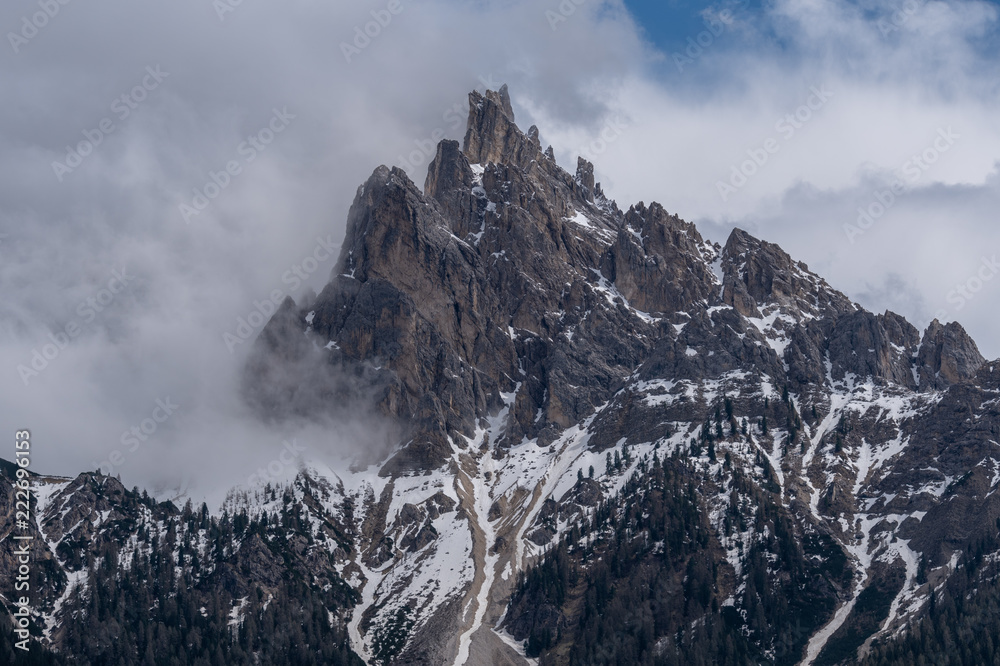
(596, 438)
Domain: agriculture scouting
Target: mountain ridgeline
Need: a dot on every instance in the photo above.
(601, 439)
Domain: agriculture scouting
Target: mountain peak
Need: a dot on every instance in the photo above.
(492, 136)
(948, 355)
(504, 98)
(757, 273)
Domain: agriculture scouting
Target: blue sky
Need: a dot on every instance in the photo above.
(753, 27)
(668, 24)
(671, 23)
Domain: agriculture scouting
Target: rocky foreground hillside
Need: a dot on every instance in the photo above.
(597, 438)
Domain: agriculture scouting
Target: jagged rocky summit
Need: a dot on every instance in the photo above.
(601, 438)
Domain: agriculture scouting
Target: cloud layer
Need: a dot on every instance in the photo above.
(126, 117)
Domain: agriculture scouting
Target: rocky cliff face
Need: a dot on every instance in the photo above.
(569, 384)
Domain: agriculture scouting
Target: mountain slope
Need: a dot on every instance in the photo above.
(119, 578)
